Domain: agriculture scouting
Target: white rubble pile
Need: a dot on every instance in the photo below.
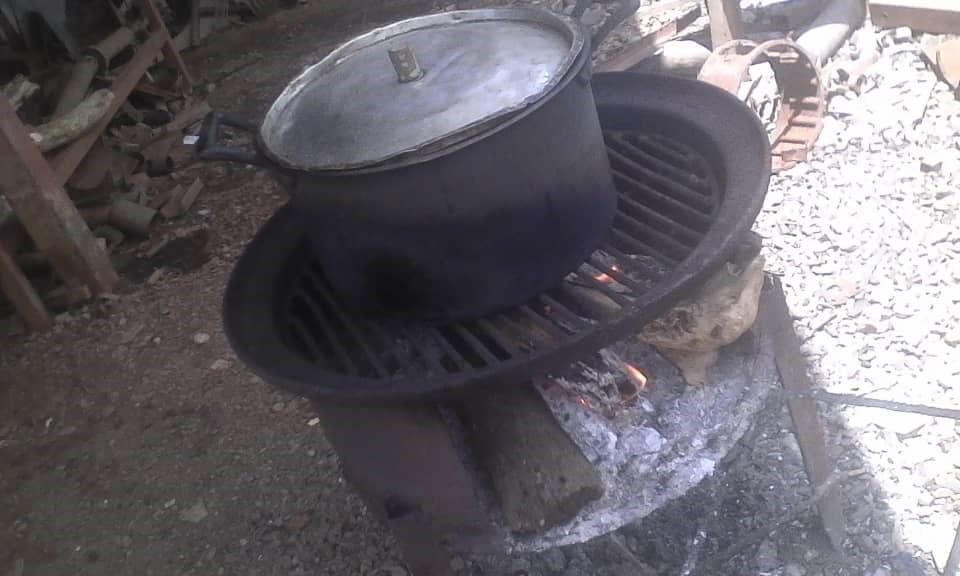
(866, 236)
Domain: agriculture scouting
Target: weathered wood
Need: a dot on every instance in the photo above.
(647, 45)
(725, 21)
(79, 120)
(91, 173)
(18, 90)
(67, 160)
(933, 16)
(170, 53)
(21, 294)
(539, 474)
(75, 89)
(184, 119)
(402, 460)
(788, 352)
(45, 210)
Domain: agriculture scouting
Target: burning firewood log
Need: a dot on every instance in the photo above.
(691, 333)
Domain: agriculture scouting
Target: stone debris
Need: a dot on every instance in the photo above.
(865, 235)
(196, 513)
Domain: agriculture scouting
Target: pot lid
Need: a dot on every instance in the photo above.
(428, 81)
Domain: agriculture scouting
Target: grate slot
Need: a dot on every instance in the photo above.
(552, 329)
(680, 174)
(667, 205)
(589, 281)
(639, 247)
(300, 335)
(565, 313)
(475, 345)
(615, 274)
(362, 342)
(690, 197)
(318, 315)
(663, 243)
(416, 341)
(652, 147)
(458, 360)
(527, 341)
(498, 337)
(665, 224)
(682, 150)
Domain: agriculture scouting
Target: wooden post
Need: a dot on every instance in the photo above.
(21, 294)
(170, 53)
(725, 22)
(45, 210)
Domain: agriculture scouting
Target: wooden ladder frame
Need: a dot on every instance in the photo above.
(33, 185)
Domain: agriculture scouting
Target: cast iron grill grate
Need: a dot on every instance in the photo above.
(691, 165)
(668, 195)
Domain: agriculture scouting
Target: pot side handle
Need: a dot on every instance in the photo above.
(208, 145)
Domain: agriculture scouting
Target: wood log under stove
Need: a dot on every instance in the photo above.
(551, 422)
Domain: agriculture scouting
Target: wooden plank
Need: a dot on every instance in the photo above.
(725, 21)
(170, 53)
(933, 16)
(647, 45)
(791, 365)
(540, 475)
(21, 294)
(45, 210)
(67, 160)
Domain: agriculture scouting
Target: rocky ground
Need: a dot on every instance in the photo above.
(133, 442)
(865, 234)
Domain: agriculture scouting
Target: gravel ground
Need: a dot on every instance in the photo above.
(133, 442)
(865, 234)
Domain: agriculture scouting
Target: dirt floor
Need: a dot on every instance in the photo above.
(132, 441)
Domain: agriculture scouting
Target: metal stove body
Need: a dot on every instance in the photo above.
(692, 166)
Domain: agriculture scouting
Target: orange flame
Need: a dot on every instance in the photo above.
(606, 278)
(636, 376)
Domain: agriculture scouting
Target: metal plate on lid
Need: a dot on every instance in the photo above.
(430, 81)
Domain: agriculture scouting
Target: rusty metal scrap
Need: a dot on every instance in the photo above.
(801, 91)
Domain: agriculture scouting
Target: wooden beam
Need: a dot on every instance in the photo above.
(539, 474)
(810, 434)
(170, 53)
(21, 294)
(67, 160)
(725, 21)
(45, 210)
(933, 16)
(647, 45)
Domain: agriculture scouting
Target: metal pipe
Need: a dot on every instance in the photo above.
(827, 32)
(106, 49)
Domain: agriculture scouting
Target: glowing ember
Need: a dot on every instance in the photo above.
(638, 378)
(583, 402)
(606, 278)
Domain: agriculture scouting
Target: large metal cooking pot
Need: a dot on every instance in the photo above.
(449, 165)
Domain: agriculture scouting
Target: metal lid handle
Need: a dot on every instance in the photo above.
(405, 64)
